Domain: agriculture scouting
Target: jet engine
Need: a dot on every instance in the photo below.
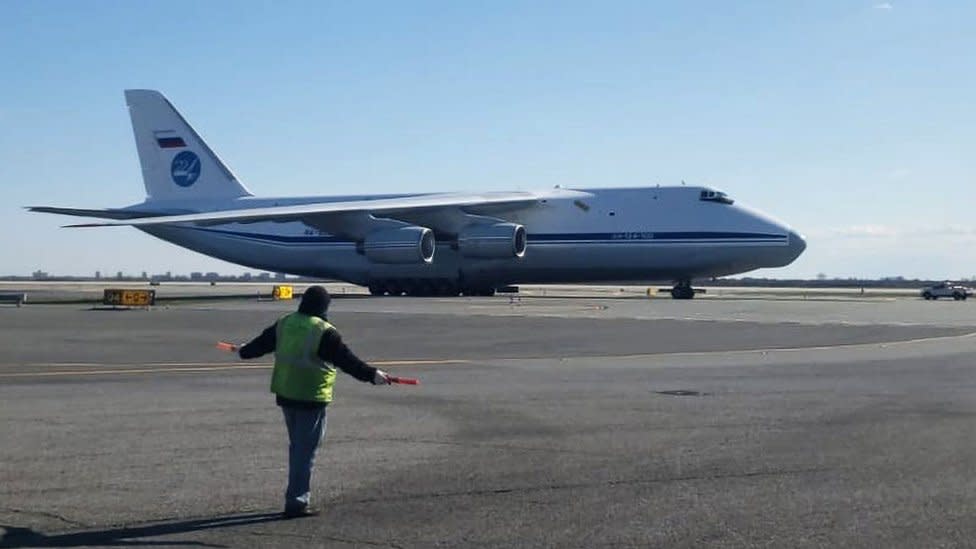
(496, 241)
(410, 244)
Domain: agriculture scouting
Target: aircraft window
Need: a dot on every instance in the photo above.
(715, 196)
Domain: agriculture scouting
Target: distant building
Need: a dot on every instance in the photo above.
(98, 275)
(212, 276)
(196, 275)
(39, 275)
(279, 276)
(264, 276)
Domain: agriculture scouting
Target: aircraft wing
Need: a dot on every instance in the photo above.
(110, 213)
(441, 212)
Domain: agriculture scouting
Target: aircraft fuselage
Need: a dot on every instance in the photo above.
(624, 234)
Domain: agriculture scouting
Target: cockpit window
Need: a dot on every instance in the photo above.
(715, 196)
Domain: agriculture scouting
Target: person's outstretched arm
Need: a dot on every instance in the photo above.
(261, 345)
(333, 350)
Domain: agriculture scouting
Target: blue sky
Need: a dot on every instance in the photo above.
(854, 121)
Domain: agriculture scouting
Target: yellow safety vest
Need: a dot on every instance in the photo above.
(299, 373)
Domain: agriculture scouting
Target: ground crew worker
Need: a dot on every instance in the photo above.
(307, 351)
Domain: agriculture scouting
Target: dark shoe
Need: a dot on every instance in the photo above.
(299, 512)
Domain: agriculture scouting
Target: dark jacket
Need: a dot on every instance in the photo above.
(331, 350)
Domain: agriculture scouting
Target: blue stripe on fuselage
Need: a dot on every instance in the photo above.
(667, 235)
(690, 237)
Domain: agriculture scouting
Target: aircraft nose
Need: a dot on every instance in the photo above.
(797, 244)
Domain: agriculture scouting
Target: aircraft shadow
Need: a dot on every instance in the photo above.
(130, 536)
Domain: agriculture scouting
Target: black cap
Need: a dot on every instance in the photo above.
(315, 301)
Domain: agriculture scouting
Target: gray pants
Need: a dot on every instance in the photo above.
(306, 427)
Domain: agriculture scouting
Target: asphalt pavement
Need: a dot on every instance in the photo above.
(564, 423)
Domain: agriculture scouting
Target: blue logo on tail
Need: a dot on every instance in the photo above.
(185, 169)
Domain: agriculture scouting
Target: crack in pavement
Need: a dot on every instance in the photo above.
(47, 514)
(280, 535)
(506, 447)
(329, 538)
(578, 485)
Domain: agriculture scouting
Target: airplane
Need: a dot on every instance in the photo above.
(438, 243)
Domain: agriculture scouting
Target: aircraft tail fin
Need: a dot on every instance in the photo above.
(176, 162)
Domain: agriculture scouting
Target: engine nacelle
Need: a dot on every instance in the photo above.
(401, 245)
(498, 241)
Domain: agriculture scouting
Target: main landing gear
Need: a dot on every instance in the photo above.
(683, 290)
(426, 288)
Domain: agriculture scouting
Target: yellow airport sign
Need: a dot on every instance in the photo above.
(129, 298)
(282, 292)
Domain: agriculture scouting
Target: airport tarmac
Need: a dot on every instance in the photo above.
(91, 291)
(540, 422)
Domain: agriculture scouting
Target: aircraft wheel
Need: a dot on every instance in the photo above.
(394, 288)
(424, 288)
(446, 288)
(375, 289)
(683, 290)
(411, 288)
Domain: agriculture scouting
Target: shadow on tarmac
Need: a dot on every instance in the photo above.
(129, 536)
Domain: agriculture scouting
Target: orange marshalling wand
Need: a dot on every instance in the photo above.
(229, 347)
(404, 380)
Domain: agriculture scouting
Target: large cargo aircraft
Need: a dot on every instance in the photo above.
(438, 244)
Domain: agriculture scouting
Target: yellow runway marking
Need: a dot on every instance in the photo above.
(146, 364)
(135, 371)
(201, 367)
(192, 367)
(419, 362)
